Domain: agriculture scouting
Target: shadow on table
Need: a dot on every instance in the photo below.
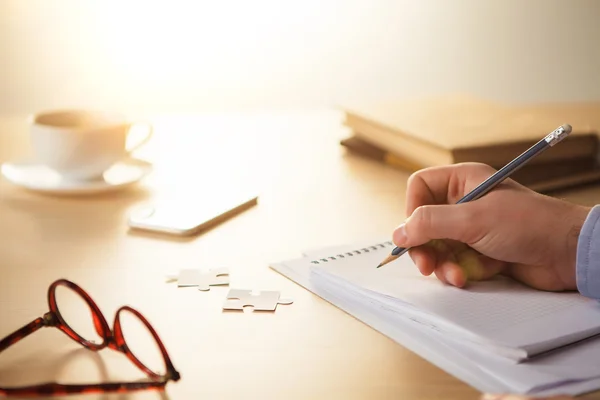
(101, 367)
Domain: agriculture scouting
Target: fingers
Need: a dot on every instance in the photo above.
(425, 259)
(444, 184)
(447, 268)
(454, 263)
(428, 186)
(489, 396)
(450, 273)
(478, 267)
(460, 222)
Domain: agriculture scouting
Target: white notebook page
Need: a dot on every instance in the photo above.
(549, 373)
(499, 310)
(578, 363)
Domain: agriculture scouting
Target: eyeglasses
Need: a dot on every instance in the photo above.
(112, 339)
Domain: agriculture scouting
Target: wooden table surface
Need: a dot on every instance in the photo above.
(311, 195)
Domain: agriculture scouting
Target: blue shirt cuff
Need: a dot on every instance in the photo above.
(588, 255)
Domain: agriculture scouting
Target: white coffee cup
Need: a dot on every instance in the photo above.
(82, 144)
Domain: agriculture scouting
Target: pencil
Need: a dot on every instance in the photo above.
(490, 183)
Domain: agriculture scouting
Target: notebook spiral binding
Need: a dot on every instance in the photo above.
(354, 252)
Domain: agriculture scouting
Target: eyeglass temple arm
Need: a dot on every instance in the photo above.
(52, 389)
(25, 331)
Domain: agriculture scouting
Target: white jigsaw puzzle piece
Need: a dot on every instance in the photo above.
(266, 300)
(203, 279)
(214, 277)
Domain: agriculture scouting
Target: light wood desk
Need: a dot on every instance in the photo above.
(311, 195)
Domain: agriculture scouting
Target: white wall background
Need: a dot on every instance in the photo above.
(192, 55)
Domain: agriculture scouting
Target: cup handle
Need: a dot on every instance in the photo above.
(132, 127)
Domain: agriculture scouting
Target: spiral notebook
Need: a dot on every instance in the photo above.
(496, 335)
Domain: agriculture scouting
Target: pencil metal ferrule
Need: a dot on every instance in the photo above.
(558, 134)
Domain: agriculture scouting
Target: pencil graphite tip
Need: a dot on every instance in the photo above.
(388, 259)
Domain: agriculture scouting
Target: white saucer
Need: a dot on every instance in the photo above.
(33, 176)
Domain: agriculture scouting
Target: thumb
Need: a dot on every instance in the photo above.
(460, 222)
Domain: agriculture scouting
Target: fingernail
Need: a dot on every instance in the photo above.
(454, 277)
(399, 235)
(450, 279)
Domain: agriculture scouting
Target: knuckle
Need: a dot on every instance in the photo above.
(421, 179)
(423, 218)
(473, 169)
(423, 174)
(487, 171)
(414, 178)
(474, 166)
(456, 188)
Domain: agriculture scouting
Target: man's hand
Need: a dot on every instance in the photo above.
(519, 397)
(511, 230)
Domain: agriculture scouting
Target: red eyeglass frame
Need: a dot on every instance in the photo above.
(112, 339)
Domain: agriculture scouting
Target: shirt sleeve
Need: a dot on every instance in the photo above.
(588, 255)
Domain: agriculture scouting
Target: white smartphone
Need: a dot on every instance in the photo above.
(187, 218)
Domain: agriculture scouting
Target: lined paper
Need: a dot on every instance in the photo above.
(573, 370)
(500, 311)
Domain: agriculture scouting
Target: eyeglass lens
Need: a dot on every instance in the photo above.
(141, 342)
(80, 318)
(76, 313)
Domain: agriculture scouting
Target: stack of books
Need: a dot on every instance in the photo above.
(420, 133)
